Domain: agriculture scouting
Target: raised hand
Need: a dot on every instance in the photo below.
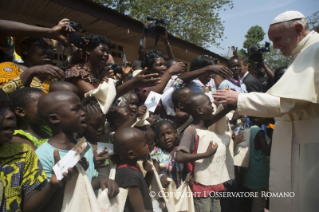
(141, 110)
(177, 68)
(228, 97)
(147, 166)
(220, 70)
(149, 80)
(45, 70)
(100, 158)
(164, 181)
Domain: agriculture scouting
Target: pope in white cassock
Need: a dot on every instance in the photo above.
(294, 102)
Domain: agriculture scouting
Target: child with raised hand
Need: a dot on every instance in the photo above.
(257, 174)
(200, 108)
(21, 170)
(61, 110)
(164, 155)
(182, 119)
(130, 145)
(94, 132)
(24, 103)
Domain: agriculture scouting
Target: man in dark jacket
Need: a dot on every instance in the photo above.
(251, 82)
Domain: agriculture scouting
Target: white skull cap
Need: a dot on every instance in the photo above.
(287, 16)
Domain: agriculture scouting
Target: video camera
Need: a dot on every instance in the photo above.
(256, 53)
(154, 27)
(75, 38)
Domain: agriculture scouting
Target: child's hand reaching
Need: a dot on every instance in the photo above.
(147, 166)
(141, 110)
(66, 176)
(239, 138)
(190, 180)
(113, 188)
(211, 149)
(164, 181)
(100, 158)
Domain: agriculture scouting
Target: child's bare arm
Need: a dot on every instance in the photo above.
(219, 115)
(136, 199)
(149, 175)
(36, 200)
(261, 143)
(184, 157)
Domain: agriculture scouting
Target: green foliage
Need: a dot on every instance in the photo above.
(196, 21)
(254, 35)
(242, 53)
(313, 20)
(274, 59)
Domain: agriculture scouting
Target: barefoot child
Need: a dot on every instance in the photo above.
(24, 102)
(130, 145)
(62, 112)
(27, 174)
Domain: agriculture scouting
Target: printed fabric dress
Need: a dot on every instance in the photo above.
(167, 165)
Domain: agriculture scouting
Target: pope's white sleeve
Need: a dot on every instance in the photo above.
(258, 104)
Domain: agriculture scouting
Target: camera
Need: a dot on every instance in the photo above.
(75, 38)
(117, 69)
(256, 53)
(154, 27)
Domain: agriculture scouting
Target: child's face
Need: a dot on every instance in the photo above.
(133, 103)
(95, 126)
(167, 136)
(72, 118)
(150, 137)
(7, 119)
(141, 149)
(206, 107)
(30, 110)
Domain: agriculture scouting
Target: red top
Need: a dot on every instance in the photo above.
(202, 190)
(126, 165)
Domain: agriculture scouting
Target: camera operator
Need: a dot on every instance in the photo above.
(142, 49)
(266, 81)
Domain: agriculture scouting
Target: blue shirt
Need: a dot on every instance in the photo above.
(195, 86)
(45, 154)
(229, 85)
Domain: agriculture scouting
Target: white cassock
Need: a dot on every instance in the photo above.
(294, 102)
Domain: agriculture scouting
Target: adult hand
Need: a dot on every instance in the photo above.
(149, 80)
(107, 72)
(239, 138)
(235, 54)
(211, 149)
(229, 97)
(61, 31)
(100, 158)
(177, 68)
(126, 68)
(141, 110)
(66, 176)
(220, 70)
(46, 70)
(164, 181)
(113, 188)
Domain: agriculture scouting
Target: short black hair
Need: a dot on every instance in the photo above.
(90, 105)
(21, 97)
(201, 62)
(136, 65)
(95, 40)
(277, 72)
(244, 60)
(234, 58)
(150, 57)
(177, 97)
(62, 86)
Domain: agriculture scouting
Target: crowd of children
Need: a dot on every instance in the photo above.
(40, 126)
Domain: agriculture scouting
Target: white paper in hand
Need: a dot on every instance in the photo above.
(101, 146)
(152, 101)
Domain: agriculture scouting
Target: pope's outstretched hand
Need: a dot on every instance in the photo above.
(226, 97)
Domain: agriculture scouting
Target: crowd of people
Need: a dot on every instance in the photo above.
(47, 109)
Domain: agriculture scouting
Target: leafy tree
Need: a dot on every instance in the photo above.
(313, 20)
(254, 35)
(274, 58)
(196, 21)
